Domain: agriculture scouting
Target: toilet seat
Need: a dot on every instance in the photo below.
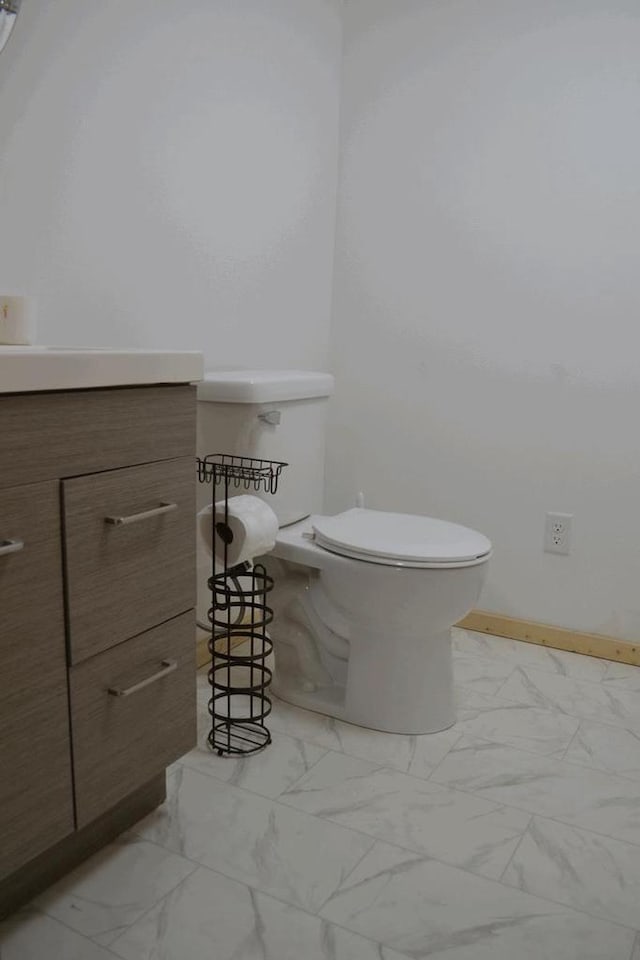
(400, 539)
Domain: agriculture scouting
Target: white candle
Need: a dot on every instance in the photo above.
(17, 316)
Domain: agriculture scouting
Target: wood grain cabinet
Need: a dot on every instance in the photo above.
(36, 802)
(97, 626)
(135, 701)
(129, 538)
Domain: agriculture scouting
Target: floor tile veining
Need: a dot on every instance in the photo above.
(416, 814)
(515, 835)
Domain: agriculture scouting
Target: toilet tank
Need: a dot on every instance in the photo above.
(272, 415)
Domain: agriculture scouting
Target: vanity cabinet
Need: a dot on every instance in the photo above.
(97, 622)
(36, 800)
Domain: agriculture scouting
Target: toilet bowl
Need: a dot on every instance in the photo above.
(364, 601)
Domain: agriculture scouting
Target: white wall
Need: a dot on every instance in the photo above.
(168, 173)
(168, 176)
(486, 320)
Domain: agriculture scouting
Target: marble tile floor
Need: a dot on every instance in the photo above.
(513, 836)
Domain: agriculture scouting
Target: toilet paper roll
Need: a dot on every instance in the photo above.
(250, 530)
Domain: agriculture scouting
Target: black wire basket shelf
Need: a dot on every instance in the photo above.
(240, 646)
(247, 472)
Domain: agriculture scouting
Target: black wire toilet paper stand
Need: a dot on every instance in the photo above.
(239, 615)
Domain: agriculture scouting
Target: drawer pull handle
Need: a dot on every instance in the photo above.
(168, 666)
(10, 546)
(145, 515)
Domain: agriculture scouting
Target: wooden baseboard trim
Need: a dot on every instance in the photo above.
(529, 631)
(202, 648)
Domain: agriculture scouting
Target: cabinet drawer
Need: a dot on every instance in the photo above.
(36, 801)
(133, 712)
(84, 431)
(130, 552)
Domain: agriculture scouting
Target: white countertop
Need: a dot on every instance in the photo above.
(29, 369)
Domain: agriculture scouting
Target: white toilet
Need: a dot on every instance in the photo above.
(364, 601)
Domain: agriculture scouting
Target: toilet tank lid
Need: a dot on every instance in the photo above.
(263, 386)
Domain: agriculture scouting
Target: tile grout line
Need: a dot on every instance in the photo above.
(43, 912)
(341, 750)
(512, 806)
(419, 853)
(435, 767)
(269, 896)
(361, 833)
(416, 854)
(506, 680)
(547, 899)
(169, 893)
(463, 733)
(550, 758)
(32, 908)
(547, 705)
(519, 661)
(516, 848)
(307, 771)
(509, 701)
(563, 903)
(385, 766)
(554, 711)
(556, 819)
(439, 764)
(504, 703)
(444, 786)
(349, 873)
(198, 865)
(422, 855)
(238, 786)
(563, 758)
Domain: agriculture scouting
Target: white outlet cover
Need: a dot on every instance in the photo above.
(557, 533)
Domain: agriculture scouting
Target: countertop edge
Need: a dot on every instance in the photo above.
(77, 370)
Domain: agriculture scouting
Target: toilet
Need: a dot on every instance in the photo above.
(364, 600)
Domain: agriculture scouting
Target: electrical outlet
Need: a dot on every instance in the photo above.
(557, 533)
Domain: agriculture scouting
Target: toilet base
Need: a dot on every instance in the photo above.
(327, 702)
(420, 712)
(364, 642)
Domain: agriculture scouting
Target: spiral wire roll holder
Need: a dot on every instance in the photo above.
(239, 704)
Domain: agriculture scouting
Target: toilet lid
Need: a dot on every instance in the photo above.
(399, 538)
